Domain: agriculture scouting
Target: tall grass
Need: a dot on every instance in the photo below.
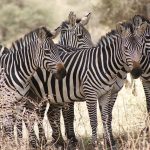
(129, 124)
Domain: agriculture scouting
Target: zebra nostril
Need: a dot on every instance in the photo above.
(60, 74)
(136, 72)
(63, 73)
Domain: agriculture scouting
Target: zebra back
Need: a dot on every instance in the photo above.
(35, 49)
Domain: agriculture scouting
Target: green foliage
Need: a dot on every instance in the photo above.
(17, 17)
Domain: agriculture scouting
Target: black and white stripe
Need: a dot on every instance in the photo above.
(74, 34)
(91, 74)
(36, 49)
(138, 20)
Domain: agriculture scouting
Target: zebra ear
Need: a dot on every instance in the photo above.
(141, 28)
(121, 29)
(72, 19)
(55, 32)
(85, 19)
(137, 20)
(41, 33)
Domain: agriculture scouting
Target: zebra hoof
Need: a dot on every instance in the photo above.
(112, 148)
(72, 144)
(58, 144)
(95, 145)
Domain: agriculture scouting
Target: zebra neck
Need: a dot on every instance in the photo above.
(19, 70)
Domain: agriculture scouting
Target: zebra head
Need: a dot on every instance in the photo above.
(73, 32)
(48, 57)
(132, 45)
(141, 27)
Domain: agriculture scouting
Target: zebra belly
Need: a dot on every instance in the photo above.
(56, 91)
(62, 91)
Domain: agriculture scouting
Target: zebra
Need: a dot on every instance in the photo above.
(75, 37)
(35, 49)
(90, 78)
(144, 62)
(74, 34)
(69, 112)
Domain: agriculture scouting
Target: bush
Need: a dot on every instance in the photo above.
(19, 17)
(112, 11)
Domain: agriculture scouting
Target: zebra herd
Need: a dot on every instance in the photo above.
(75, 70)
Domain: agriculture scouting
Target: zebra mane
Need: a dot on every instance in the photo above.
(65, 48)
(127, 25)
(24, 40)
(29, 37)
(3, 50)
(107, 37)
(143, 18)
(65, 24)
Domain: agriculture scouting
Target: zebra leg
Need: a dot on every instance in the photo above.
(106, 107)
(91, 102)
(33, 140)
(8, 127)
(29, 122)
(68, 115)
(19, 125)
(54, 119)
(42, 137)
(19, 130)
(146, 86)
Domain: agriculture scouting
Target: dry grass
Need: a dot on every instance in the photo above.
(129, 120)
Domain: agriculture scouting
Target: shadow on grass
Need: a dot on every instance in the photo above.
(125, 141)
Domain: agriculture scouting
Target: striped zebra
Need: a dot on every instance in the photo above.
(75, 37)
(144, 62)
(91, 74)
(74, 34)
(36, 49)
(69, 112)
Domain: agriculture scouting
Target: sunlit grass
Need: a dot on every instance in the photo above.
(129, 116)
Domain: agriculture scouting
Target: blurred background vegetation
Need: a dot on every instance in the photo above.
(18, 17)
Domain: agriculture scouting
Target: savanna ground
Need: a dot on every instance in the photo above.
(129, 120)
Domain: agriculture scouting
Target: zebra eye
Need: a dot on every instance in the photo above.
(63, 31)
(47, 51)
(80, 36)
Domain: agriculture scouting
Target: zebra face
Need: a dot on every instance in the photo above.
(81, 36)
(73, 32)
(142, 28)
(132, 45)
(49, 55)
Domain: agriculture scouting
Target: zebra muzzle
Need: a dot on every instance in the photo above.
(61, 71)
(136, 72)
